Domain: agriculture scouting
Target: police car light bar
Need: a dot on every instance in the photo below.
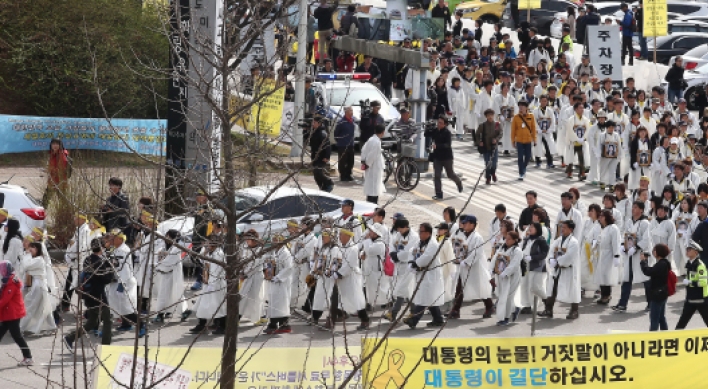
(343, 76)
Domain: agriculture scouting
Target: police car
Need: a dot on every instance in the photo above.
(334, 91)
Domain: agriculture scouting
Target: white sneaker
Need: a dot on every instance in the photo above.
(26, 362)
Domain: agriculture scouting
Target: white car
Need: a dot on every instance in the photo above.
(693, 58)
(695, 79)
(335, 91)
(22, 206)
(605, 9)
(272, 215)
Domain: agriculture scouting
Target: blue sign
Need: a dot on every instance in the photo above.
(22, 134)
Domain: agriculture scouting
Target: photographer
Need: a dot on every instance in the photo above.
(320, 152)
(370, 118)
(441, 155)
(117, 208)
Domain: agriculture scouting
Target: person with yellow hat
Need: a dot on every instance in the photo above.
(150, 245)
(97, 229)
(326, 294)
(122, 294)
(4, 215)
(169, 279)
(203, 226)
(211, 303)
(348, 276)
(252, 281)
(279, 273)
(38, 302)
(79, 248)
(40, 236)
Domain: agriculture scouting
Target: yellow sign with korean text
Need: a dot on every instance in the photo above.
(267, 113)
(630, 360)
(269, 367)
(655, 18)
(529, 4)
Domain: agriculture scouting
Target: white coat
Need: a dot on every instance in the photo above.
(608, 256)
(325, 258)
(449, 268)
(474, 269)
(576, 129)
(471, 91)
(212, 301)
(55, 293)
(125, 302)
(686, 224)
(567, 270)
(349, 280)
(592, 137)
(302, 249)
(483, 102)
(14, 254)
(624, 206)
(640, 229)
(38, 302)
(508, 280)
(508, 104)
(378, 285)
(457, 102)
(279, 286)
(659, 170)
(664, 232)
(574, 215)
(79, 248)
(373, 176)
(355, 222)
(431, 292)
(403, 247)
(252, 290)
(169, 279)
(589, 254)
(636, 172)
(150, 246)
(545, 127)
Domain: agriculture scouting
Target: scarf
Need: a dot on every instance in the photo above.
(7, 272)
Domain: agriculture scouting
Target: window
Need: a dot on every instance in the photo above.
(689, 42)
(2, 199)
(343, 96)
(282, 208)
(324, 204)
(682, 9)
(682, 28)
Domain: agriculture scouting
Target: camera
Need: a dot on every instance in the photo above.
(365, 108)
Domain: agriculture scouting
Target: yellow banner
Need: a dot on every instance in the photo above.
(529, 4)
(268, 113)
(631, 360)
(269, 367)
(655, 18)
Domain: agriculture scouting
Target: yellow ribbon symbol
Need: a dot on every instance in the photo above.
(395, 362)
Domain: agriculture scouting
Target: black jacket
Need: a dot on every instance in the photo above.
(581, 23)
(526, 216)
(324, 16)
(457, 28)
(634, 148)
(115, 212)
(694, 292)
(659, 273)
(538, 253)
(97, 273)
(374, 70)
(399, 77)
(591, 19)
(443, 143)
(444, 13)
(700, 236)
(675, 77)
(347, 20)
(486, 133)
(386, 70)
(320, 147)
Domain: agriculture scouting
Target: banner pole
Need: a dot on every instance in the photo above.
(533, 318)
(654, 49)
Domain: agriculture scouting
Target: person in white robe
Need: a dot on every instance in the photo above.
(660, 170)
(637, 240)
(608, 152)
(545, 126)
(376, 283)
(663, 230)
(686, 222)
(170, 280)
(533, 283)
(211, 302)
(347, 276)
(40, 235)
(505, 108)
(564, 272)
(507, 268)
(589, 249)
(593, 138)
(447, 261)
(606, 272)
(302, 247)
(252, 289)
(576, 128)
(122, 294)
(402, 244)
(38, 302)
(77, 250)
(279, 273)
(430, 293)
(640, 158)
(326, 294)
(373, 163)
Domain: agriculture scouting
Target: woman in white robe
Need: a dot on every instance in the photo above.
(686, 221)
(564, 272)
(639, 167)
(505, 108)
(39, 235)
(372, 159)
(373, 258)
(606, 273)
(637, 240)
(252, 291)
(349, 279)
(659, 167)
(663, 230)
(449, 217)
(325, 256)
(279, 273)
(211, 303)
(38, 302)
(170, 280)
(123, 294)
(507, 267)
(589, 249)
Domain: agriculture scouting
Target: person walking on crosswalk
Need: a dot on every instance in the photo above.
(523, 136)
(488, 135)
(607, 150)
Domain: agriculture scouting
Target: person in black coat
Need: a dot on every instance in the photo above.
(658, 286)
(442, 155)
(117, 208)
(675, 79)
(442, 11)
(535, 263)
(386, 77)
(700, 235)
(701, 101)
(581, 25)
(320, 152)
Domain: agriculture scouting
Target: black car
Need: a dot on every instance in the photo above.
(675, 44)
(541, 18)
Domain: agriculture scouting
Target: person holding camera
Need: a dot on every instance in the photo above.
(117, 208)
(320, 153)
(441, 155)
(369, 121)
(372, 163)
(658, 290)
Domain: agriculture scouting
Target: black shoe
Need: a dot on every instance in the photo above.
(436, 197)
(546, 313)
(363, 326)
(459, 188)
(196, 329)
(306, 309)
(219, 331)
(619, 308)
(515, 314)
(487, 315)
(435, 324)
(185, 315)
(407, 321)
(526, 311)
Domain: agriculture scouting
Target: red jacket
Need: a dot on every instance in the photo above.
(12, 305)
(58, 168)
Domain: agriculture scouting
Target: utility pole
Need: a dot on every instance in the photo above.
(297, 146)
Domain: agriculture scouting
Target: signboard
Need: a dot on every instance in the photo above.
(267, 114)
(529, 4)
(606, 53)
(22, 134)
(269, 367)
(635, 360)
(397, 11)
(177, 85)
(655, 18)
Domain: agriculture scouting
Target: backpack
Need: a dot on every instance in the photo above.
(389, 266)
(671, 283)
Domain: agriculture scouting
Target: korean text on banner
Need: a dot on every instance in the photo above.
(267, 114)
(606, 53)
(655, 18)
(21, 134)
(631, 360)
(529, 4)
(268, 367)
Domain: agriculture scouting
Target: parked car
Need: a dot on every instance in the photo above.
(541, 18)
(693, 58)
(696, 80)
(675, 26)
(689, 9)
(672, 45)
(488, 11)
(272, 215)
(22, 206)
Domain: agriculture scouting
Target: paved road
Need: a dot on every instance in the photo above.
(418, 206)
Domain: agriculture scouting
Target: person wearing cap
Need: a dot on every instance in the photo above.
(488, 135)
(505, 108)
(376, 283)
(682, 109)
(252, 278)
(320, 154)
(169, 280)
(210, 303)
(323, 260)
(150, 245)
(368, 124)
(576, 128)
(425, 264)
(402, 244)
(116, 211)
(523, 136)
(675, 78)
(696, 283)
(607, 150)
(122, 292)
(77, 250)
(538, 54)
(348, 277)
(302, 245)
(97, 230)
(565, 39)
(637, 240)
(686, 220)
(472, 280)
(348, 217)
(564, 272)
(4, 215)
